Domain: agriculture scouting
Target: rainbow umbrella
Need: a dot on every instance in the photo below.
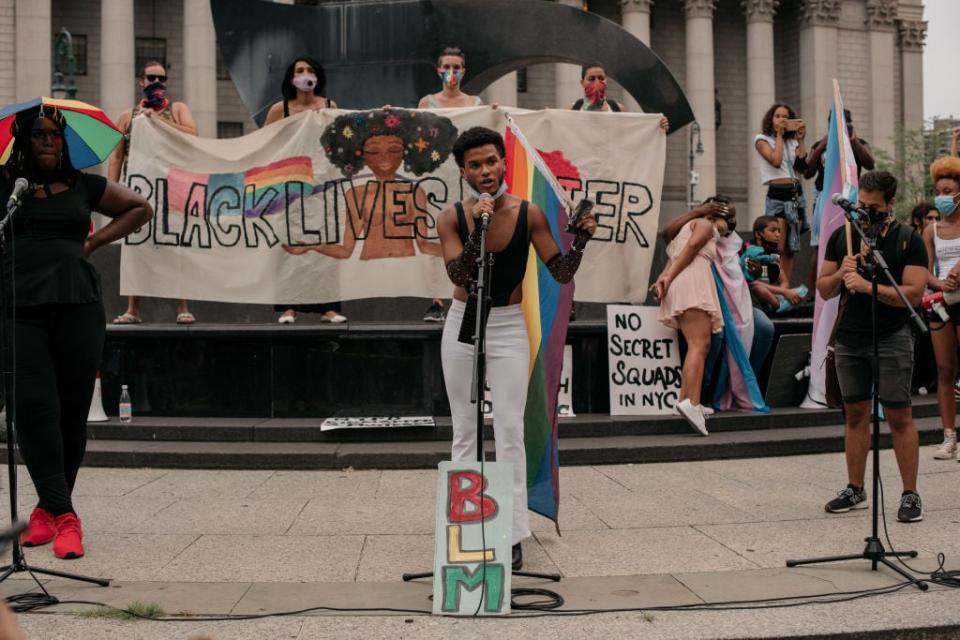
(90, 134)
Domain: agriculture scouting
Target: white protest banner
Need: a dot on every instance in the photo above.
(376, 422)
(472, 555)
(340, 205)
(644, 362)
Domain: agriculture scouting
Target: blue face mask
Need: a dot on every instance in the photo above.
(945, 204)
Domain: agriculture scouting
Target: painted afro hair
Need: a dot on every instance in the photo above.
(427, 138)
(945, 167)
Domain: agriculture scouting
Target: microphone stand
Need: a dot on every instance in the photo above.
(484, 268)
(874, 550)
(18, 562)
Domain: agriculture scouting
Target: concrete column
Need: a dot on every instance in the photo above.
(636, 20)
(34, 64)
(912, 35)
(567, 83)
(818, 63)
(200, 65)
(117, 56)
(761, 89)
(502, 92)
(700, 88)
(881, 18)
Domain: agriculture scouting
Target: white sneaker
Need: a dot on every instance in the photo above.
(693, 415)
(707, 411)
(287, 318)
(947, 449)
(335, 319)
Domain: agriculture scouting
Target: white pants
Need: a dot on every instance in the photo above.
(508, 358)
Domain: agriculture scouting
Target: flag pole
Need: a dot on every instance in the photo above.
(838, 123)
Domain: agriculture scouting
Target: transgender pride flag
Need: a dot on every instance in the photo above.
(839, 176)
(546, 308)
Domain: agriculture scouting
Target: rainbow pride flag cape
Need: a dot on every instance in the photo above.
(546, 308)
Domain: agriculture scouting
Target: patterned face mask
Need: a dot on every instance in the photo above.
(596, 91)
(451, 78)
(155, 94)
(305, 81)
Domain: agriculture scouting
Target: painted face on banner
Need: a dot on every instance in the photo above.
(384, 155)
(483, 168)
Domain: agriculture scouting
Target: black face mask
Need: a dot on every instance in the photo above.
(875, 221)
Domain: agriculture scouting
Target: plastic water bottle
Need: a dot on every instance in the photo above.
(126, 407)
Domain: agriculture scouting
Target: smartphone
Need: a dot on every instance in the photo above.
(793, 124)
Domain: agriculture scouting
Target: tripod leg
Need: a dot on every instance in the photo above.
(71, 576)
(920, 585)
(7, 572)
(797, 563)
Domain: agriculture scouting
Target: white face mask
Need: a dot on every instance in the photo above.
(473, 193)
(305, 81)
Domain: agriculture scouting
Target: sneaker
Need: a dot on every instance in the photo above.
(434, 313)
(850, 498)
(948, 448)
(287, 318)
(68, 543)
(705, 410)
(693, 414)
(40, 530)
(911, 509)
(336, 318)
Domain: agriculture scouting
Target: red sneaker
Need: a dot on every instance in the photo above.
(68, 543)
(40, 530)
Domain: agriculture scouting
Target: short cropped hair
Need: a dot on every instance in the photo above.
(453, 51)
(477, 137)
(879, 182)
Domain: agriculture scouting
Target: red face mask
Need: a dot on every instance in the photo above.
(596, 91)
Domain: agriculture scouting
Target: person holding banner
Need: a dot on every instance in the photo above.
(513, 225)
(689, 303)
(58, 317)
(846, 273)
(451, 67)
(302, 89)
(155, 103)
(782, 146)
(593, 79)
(942, 240)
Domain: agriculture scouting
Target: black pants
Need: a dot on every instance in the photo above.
(58, 351)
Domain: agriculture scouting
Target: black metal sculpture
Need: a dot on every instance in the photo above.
(377, 53)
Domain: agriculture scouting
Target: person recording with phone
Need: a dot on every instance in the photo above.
(512, 226)
(942, 241)
(781, 144)
(849, 276)
(58, 317)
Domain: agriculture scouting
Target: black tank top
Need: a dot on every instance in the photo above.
(509, 265)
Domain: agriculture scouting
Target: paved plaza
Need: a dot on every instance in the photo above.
(633, 536)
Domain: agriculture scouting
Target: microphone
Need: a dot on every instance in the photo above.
(485, 217)
(20, 186)
(848, 206)
(583, 208)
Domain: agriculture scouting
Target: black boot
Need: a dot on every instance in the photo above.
(517, 557)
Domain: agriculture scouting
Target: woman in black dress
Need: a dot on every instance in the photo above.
(56, 312)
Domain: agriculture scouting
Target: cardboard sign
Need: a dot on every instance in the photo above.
(564, 399)
(377, 422)
(644, 362)
(472, 559)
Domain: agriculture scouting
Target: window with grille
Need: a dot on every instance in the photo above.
(229, 129)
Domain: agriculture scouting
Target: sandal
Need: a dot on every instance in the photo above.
(127, 318)
(185, 318)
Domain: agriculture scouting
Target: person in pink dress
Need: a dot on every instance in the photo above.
(689, 303)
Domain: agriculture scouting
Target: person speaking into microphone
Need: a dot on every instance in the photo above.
(56, 309)
(848, 275)
(512, 226)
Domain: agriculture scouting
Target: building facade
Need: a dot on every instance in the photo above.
(734, 58)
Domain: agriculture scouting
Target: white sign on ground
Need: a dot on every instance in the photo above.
(472, 557)
(644, 362)
(377, 422)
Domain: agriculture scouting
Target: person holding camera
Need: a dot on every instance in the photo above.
(849, 276)
(782, 146)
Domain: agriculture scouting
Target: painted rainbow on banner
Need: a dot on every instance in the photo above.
(546, 308)
(276, 176)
